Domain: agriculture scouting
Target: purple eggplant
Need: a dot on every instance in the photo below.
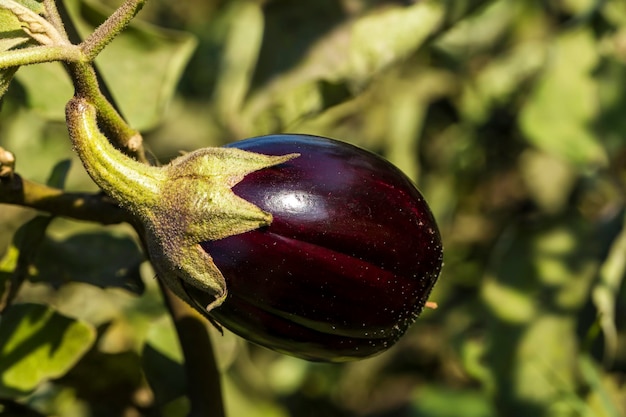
(347, 263)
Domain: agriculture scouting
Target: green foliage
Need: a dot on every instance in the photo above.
(508, 115)
(112, 261)
(37, 344)
(558, 115)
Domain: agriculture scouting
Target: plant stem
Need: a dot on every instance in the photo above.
(39, 54)
(107, 31)
(54, 17)
(79, 206)
(136, 186)
(86, 85)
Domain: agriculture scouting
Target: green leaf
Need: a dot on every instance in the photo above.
(386, 37)
(11, 33)
(5, 79)
(560, 110)
(11, 36)
(59, 173)
(539, 280)
(16, 264)
(162, 362)
(606, 403)
(549, 179)
(352, 55)
(239, 58)
(35, 5)
(447, 402)
(110, 262)
(8, 263)
(48, 88)
(38, 344)
(18, 259)
(108, 380)
(606, 293)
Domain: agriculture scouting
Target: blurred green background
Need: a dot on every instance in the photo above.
(510, 116)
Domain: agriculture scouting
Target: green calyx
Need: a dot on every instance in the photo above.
(180, 205)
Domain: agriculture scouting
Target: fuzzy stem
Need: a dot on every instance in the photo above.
(86, 84)
(134, 185)
(39, 54)
(79, 206)
(107, 31)
(52, 14)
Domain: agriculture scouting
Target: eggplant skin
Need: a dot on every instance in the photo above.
(347, 263)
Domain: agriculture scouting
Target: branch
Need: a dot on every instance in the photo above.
(40, 54)
(79, 206)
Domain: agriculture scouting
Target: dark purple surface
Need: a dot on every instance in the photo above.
(347, 263)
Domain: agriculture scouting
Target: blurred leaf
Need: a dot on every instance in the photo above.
(35, 5)
(48, 97)
(550, 266)
(11, 35)
(549, 180)
(96, 258)
(237, 403)
(8, 263)
(604, 399)
(446, 402)
(286, 374)
(16, 264)
(162, 360)
(239, 58)
(500, 79)
(559, 111)
(180, 407)
(59, 173)
(480, 30)
(37, 144)
(119, 377)
(379, 40)
(611, 123)
(615, 11)
(37, 344)
(606, 290)
(352, 55)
